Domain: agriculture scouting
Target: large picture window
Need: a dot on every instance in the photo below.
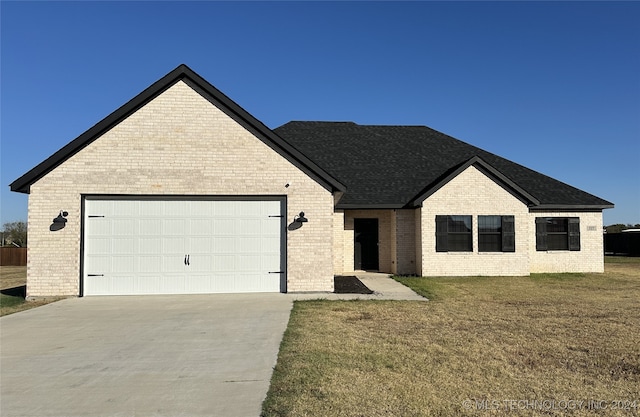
(557, 233)
(496, 234)
(453, 234)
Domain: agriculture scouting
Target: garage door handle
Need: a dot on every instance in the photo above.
(95, 275)
(276, 272)
(186, 260)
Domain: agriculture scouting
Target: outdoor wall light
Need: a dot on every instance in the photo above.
(61, 217)
(300, 218)
(59, 222)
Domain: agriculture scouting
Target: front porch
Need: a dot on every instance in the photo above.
(379, 240)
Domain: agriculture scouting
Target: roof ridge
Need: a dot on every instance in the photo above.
(217, 98)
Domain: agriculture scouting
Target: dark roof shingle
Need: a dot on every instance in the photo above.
(390, 166)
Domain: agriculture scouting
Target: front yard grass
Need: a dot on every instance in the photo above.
(13, 281)
(525, 346)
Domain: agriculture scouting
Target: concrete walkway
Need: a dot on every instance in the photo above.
(382, 285)
(179, 355)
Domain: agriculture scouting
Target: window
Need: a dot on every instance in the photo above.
(557, 233)
(496, 234)
(453, 234)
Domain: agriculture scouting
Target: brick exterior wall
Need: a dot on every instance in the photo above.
(384, 238)
(339, 234)
(396, 236)
(404, 262)
(473, 193)
(590, 257)
(177, 144)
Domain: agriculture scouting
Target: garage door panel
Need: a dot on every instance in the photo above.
(225, 263)
(149, 245)
(173, 263)
(175, 247)
(227, 244)
(101, 263)
(151, 208)
(250, 244)
(123, 263)
(100, 246)
(125, 208)
(250, 227)
(200, 245)
(202, 209)
(175, 208)
(173, 284)
(150, 226)
(200, 227)
(123, 245)
(150, 264)
(124, 227)
(199, 263)
(252, 282)
(98, 226)
(224, 227)
(224, 209)
(174, 227)
(147, 284)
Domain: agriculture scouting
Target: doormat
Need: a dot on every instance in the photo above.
(349, 285)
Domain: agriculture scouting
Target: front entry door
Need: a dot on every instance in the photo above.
(365, 251)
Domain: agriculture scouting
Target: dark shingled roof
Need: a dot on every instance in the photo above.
(399, 166)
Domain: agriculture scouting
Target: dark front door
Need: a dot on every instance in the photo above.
(365, 251)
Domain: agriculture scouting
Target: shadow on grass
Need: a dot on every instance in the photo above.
(20, 291)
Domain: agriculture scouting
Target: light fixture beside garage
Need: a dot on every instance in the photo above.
(61, 217)
(300, 218)
(59, 222)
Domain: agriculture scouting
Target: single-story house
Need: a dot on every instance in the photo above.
(181, 190)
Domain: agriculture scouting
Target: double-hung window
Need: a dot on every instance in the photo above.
(557, 233)
(496, 234)
(453, 234)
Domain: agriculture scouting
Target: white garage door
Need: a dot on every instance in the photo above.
(182, 246)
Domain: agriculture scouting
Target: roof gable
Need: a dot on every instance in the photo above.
(492, 173)
(206, 90)
(400, 166)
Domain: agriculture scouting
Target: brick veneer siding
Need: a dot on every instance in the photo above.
(473, 193)
(396, 235)
(590, 257)
(177, 144)
(404, 253)
(384, 237)
(339, 235)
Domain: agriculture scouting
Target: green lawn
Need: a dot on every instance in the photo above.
(482, 346)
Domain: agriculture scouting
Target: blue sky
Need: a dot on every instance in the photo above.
(554, 86)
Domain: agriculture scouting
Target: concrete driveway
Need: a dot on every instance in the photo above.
(200, 355)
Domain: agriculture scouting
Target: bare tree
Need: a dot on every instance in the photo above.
(16, 233)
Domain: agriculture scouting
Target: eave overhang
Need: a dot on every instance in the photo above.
(206, 90)
(484, 167)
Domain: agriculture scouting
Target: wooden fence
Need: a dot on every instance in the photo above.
(625, 244)
(13, 256)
